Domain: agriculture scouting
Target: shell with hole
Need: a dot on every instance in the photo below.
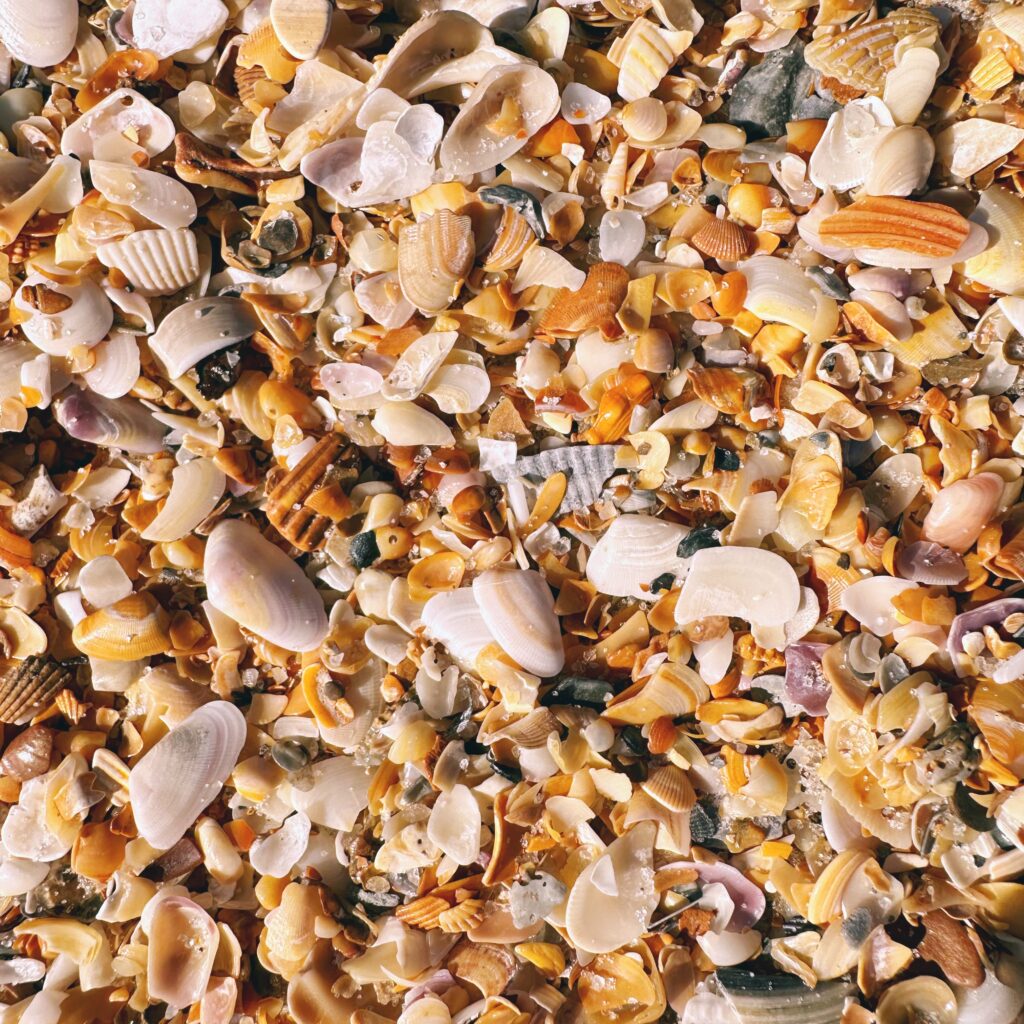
(118, 127)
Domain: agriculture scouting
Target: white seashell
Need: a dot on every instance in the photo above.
(196, 487)
(334, 793)
(196, 329)
(519, 610)
(727, 949)
(745, 583)
(598, 922)
(21, 970)
(869, 601)
(998, 1000)
(454, 619)
(57, 190)
(621, 236)
(644, 55)
(183, 941)
(170, 28)
(999, 266)
(960, 511)
(380, 297)
(184, 771)
(278, 853)
(901, 162)
(887, 309)
(103, 581)
(110, 422)
(471, 146)
(541, 265)
(104, 132)
(155, 262)
(417, 364)
(85, 322)
(301, 25)
(547, 35)
(459, 388)
(583, 105)
(316, 88)
(352, 386)
(455, 823)
(969, 146)
(116, 367)
(405, 423)
(255, 583)
(779, 291)
(158, 197)
(909, 85)
(19, 876)
(40, 34)
(843, 157)
(894, 485)
(633, 552)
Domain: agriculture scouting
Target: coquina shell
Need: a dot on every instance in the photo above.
(179, 776)
(632, 553)
(260, 587)
(41, 33)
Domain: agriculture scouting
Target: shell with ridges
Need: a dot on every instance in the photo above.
(434, 258)
(593, 305)
(721, 239)
(40, 34)
(632, 552)
(155, 261)
(644, 55)
(513, 237)
(301, 25)
(132, 628)
(30, 684)
(672, 691)
(878, 222)
(197, 329)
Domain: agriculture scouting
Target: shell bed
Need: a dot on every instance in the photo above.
(510, 512)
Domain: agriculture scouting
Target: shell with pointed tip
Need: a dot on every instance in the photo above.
(184, 772)
(40, 34)
(301, 25)
(632, 553)
(507, 107)
(110, 422)
(156, 261)
(519, 610)
(197, 329)
(255, 583)
(434, 258)
(132, 628)
(196, 487)
(122, 114)
(86, 318)
(182, 947)
(962, 510)
(30, 684)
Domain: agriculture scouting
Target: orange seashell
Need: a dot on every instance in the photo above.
(721, 239)
(98, 851)
(550, 139)
(593, 305)
(122, 68)
(513, 237)
(134, 627)
(616, 409)
(15, 551)
(884, 222)
(730, 391)
(262, 47)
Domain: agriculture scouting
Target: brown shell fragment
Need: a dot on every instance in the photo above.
(594, 305)
(199, 164)
(30, 684)
(948, 944)
(28, 754)
(884, 222)
(721, 239)
(488, 968)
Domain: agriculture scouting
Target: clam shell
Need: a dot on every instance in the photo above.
(962, 510)
(255, 583)
(170, 28)
(901, 162)
(674, 690)
(155, 262)
(753, 584)
(587, 468)
(760, 998)
(924, 997)
(352, 386)
(86, 320)
(645, 120)
(30, 684)
(472, 145)
(454, 619)
(111, 423)
(632, 553)
(196, 487)
(459, 388)
(417, 364)
(779, 291)
(519, 611)
(434, 258)
(116, 367)
(132, 628)
(999, 267)
(488, 968)
(301, 25)
(404, 423)
(197, 329)
(104, 130)
(40, 34)
(721, 239)
(172, 783)
(843, 156)
(513, 237)
(183, 941)
(969, 146)
(909, 85)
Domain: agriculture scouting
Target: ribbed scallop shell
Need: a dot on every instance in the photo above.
(156, 262)
(30, 684)
(132, 628)
(645, 120)
(513, 237)
(434, 258)
(923, 229)
(40, 33)
(721, 239)
(594, 305)
(860, 57)
(644, 55)
(670, 786)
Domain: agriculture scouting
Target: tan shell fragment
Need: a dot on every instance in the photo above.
(486, 967)
(301, 26)
(513, 237)
(30, 684)
(434, 257)
(885, 222)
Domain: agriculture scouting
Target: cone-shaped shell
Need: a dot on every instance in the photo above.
(132, 628)
(30, 684)
(260, 587)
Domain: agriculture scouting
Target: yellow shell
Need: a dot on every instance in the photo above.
(134, 627)
(673, 690)
(262, 47)
(545, 956)
(614, 988)
(670, 786)
(434, 257)
(513, 237)
(436, 573)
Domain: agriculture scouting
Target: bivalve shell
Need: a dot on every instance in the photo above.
(721, 239)
(962, 510)
(999, 267)
(132, 628)
(183, 941)
(155, 262)
(901, 162)
(30, 684)
(644, 55)
(123, 115)
(632, 553)
(301, 25)
(40, 34)
(62, 316)
(197, 329)
(434, 258)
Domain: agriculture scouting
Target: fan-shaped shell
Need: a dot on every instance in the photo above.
(595, 304)
(301, 25)
(454, 619)
(155, 262)
(632, 553)
(184, 771)
(182, 947)
(434, 258)
(30, 684)
(674, 690)
(260, 587)
(197, 329)
(721, 239)
(40, 34)
(901, 162)
(999, 267)
(644, 55)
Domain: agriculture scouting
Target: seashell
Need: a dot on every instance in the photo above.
(509, 105)
(262, 49)
(519, 611)
(105, 130)
(417, 364)
(613, 986)
(645, 120)
(486, 967)
(171, 28)
(930, 564)
(906, 1001)
(201, 164)
(337, 794)
(862, 56)
(672, 691)
(513, 237)
(843, 157)
(722, 240)
(197, 329)
(57, 190)
(132, 628)
(583, 105)
(290, 936)
(670, 786)
(972, 145)
(869, 601)
(317, 87)
(42, 35)
(380, 298)
(1001, 214)
(27, 756)
(909, 85)
(198, 754)
(459, 388)
(352, 386)
(116, 367)
(435, 256)
(755, 998)
(196, 487)
(612, 901)
(901, 162)
(595, 304)
(962, 510)
(62, 316)
(110, 423)
(454, 826)
(155, 262)
(453, 619)
(543, 266)
(404, 423)
(779, 291)
(632, 553)
(183, 941)
(301, 25)
(30, 684)
(756, 585)
(298, 504)
(901, 225)
(255, 583)
(644, 55)
(587, 469)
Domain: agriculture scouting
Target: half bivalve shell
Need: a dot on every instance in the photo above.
(632, 553)
(155, 262)
(434, 257)
(132, 628)
(40, 34)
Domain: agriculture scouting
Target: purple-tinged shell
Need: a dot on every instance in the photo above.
(806, 684)
(931, 564)
(974, 620)
(747, 897)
